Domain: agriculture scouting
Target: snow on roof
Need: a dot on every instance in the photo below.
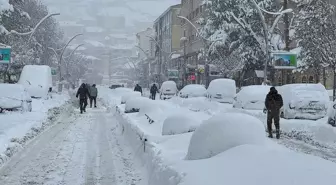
(174, 56)
(94, 43)
(92, 57)
(259, 73)
(94, 29)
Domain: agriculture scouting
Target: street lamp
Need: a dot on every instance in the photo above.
(34, 30)
(62, 52)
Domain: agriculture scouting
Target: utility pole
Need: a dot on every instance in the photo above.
(287, 43)
(184, 63)
(109, 67)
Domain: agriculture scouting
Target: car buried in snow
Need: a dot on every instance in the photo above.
(304, 101)
(14, 97)
(192, 91)
(168, 90)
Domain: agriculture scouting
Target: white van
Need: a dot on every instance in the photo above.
(168, 90)
(304, 101)
(222, 90)
(36, 79)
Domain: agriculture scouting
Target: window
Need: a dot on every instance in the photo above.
(201, 8)
(197, 11)
(311, 79)
(304, 79)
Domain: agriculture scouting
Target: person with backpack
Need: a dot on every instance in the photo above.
(273, 104)
(83, 94)
(153, 91)
(93, 95)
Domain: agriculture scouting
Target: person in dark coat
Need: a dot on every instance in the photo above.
(153, 91)
(273, 104)
(138, 88)
(83, 94)
(93, 95)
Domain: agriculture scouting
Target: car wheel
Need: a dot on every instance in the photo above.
(282, 114)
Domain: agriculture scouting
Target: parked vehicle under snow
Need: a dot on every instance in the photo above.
(304, 101)
(222, 90)
(251, 97)
(168, 90)
(192, 91)
(14, 97)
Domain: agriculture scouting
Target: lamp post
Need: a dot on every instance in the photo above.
(62, 52)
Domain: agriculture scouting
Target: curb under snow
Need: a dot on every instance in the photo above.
(17, 144)
(159, 173)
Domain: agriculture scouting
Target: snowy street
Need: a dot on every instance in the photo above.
(79, 149)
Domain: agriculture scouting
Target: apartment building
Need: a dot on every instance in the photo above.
(167, 39)
(192, 10)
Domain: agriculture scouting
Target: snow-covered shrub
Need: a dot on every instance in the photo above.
(129, 95)
(222, 132)
(134, 104)
(178, 124)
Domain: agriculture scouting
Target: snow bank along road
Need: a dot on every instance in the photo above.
(82, 149)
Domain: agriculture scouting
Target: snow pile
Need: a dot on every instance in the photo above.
(135, 103)
(225, 131)
(179, 124)
(18, 128)
(252, 97)
(37, 80)
(129, 95)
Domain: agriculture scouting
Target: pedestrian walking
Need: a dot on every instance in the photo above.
(153, 91)
(273, 104)
(93, 95)
(138, 88)
(83, 94)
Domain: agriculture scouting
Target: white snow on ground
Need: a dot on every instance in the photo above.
(80, 149)
(18, 127)
(244, 164)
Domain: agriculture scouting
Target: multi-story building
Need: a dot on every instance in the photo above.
(143, 43)
(168, 34)
(192, 44)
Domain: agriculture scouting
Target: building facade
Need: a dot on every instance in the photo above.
(192, 44)
(167, 40)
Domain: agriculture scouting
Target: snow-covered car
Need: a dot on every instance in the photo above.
(332, 115)
(192, 90)
(14, 97)
(251, 97)
(304, 101)
(129, 95)
(36, 79)
(222, 90)
(168, 90)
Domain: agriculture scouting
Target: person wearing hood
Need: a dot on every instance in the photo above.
(138, 88)
(153, 91)
(273, 104)
(83, 94)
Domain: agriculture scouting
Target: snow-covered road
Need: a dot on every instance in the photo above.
(80, 149)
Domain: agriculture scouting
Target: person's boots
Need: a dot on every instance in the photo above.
(269, 128)
(277, 127)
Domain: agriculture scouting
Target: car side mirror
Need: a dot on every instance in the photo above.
(334, 106)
